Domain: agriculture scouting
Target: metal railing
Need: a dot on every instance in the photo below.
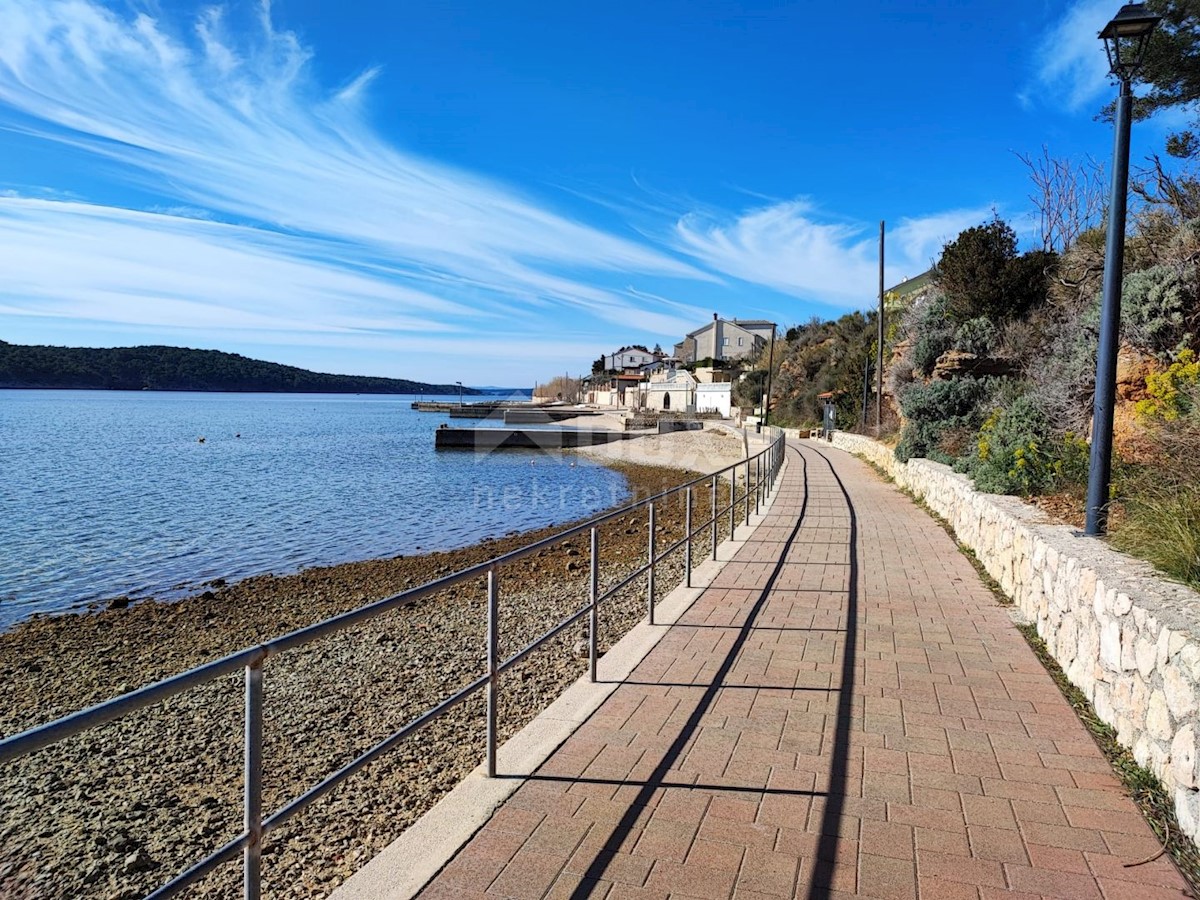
(758, 475)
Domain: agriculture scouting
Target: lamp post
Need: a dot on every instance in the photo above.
(770, 373)
(1125, 39)
(459, 383)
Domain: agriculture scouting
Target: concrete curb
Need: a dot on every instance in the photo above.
(404, 867)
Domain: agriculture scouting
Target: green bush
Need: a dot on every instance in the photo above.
(1016, 453)
(933, 331)
(982, 275)
(976, 336)
(1172, 394)
(1009, 458)
(1159, 309)
(927, 349)
(935, 408)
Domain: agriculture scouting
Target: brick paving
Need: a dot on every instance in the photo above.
(824, 723)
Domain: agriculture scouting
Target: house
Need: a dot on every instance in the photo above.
(908, 291)
(670, 389)
(628, 359)
(724, 339)
(614, 389)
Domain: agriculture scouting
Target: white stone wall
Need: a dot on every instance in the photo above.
(714, 398)
(1125, 636)
(682, 396)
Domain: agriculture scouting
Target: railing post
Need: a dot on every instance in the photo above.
(493, 665)
(650, 578)
(757, 484)
(713, 510)
(252, 855)
(732, 501)
(687, 539)
(747, 492)
(593, 614)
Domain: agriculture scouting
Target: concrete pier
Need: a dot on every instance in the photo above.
(526, 416)
(447, 438)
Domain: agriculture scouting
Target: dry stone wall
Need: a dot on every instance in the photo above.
(1125, 636)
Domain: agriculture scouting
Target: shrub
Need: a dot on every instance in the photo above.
(982, 275)
(927, 349)
(1024, 339)
(1159, 309)
(932, 333)
(1016, 454)
(1027, 283)
(1172, 393)
(976, 336)
(1064, 372)
(934, 408)
(1161, 521)
(971, 268)
(1072, 462)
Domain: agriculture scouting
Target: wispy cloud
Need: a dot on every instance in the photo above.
(786, 246)
(235, 129)
(1071, 69)
(278, 214)
(152, 269)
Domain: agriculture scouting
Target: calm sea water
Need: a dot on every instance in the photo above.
(112, 493)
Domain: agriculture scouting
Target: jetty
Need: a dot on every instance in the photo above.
(448, 405)
(449, 438)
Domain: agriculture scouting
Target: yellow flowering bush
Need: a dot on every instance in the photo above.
(1015, 452)
(1171, 393)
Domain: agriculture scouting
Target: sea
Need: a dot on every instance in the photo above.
(107, 494)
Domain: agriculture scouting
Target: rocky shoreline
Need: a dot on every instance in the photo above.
(118, 811)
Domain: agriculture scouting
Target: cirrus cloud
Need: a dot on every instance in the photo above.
(787, 247)
(234, 129)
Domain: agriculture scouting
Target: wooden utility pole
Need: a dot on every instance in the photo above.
(879, 353)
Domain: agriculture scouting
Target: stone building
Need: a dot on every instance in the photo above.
(724, 339)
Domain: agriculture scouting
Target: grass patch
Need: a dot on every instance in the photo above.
(1161, 525)
(1142, 784)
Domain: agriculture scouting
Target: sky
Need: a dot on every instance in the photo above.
(497, 193)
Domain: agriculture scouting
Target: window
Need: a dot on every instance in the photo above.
(724, 342)
(741, 341)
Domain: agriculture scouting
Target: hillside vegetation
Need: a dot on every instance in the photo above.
(181, 369)
(990, 368)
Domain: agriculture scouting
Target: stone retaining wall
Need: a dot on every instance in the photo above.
(1125, 636)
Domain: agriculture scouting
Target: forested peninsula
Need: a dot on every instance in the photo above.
(182, 369)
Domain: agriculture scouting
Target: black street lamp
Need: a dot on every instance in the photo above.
(1125, 39)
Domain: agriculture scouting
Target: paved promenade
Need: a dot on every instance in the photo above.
(846, 711)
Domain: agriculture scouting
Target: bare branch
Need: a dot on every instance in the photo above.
(1068, 196)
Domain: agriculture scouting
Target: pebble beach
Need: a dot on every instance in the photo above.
(120, 810)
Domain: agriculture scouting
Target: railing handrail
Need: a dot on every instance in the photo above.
(252, 658)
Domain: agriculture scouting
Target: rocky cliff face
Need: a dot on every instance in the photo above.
(957, 363)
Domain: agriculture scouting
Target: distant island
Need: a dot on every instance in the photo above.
(182, 369)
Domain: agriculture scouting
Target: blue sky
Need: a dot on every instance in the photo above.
(497, 193)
